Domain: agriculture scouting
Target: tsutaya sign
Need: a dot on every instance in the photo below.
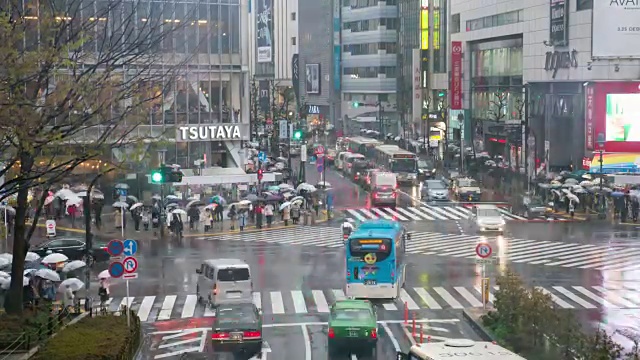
(218, 132)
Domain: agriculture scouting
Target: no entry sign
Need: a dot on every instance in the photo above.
(483, 250)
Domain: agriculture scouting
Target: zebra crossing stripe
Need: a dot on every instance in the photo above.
(167, 306)
(189, 308)
(298, 302)
(338, 294)
(492, 298)
(356, 215)
(578, 300)
(369, 214)
(468, 296)
(407, 213)
(257, 299)
(427, 299)
(614, 297)
(448, 298)
(276, 302)
(406, 299)
(381, 213)
(434, 213)
(455, 211)
(397, 215)
(563, 304)
(595, 297)
(145, 307)
(321, 302)
(424, 215)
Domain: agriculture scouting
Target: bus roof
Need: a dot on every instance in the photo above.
(463, 349)
(380, 224)
(377, 228)
(363, 140)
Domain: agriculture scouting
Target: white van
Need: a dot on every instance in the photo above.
(459, 349)
(224, 281)
(340, 159)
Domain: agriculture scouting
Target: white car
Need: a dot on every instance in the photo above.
(488, 218)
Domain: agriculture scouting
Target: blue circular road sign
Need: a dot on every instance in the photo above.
(115, 247)
(130, 247)
(320, 168)
(116, 269)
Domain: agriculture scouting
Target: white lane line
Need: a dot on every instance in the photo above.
(338, 294)
(127, 301)
(396, 214)
(178, 343)
(427, 299)
(145, 307)
(189, 308)
(446, 296)
(467, 295)
(209, 311)
(407, 213)
(299, 305)
(356, 214)
(167, 306)
(257, 299)
(389, 306)
(307, 342)
(405, 298)
(394, 341)
(321, 301)
(177, 353)
(595, 297)
(563, 304)
(277, 306)
(575, 298)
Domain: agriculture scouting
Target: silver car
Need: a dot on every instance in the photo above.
(488, 218)
(434, 190)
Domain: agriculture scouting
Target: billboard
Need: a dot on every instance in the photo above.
(456, 75)
(559, 22)
(337, 48)
(614, 111)
(614, 28)
(264, 31)
(416, 85)
(312, 78)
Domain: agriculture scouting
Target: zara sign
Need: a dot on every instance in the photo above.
(218, 132)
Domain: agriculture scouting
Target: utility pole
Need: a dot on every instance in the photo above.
(161, 158)
(430, 46)
(381, 130)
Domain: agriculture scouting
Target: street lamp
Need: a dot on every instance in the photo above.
(601, 142)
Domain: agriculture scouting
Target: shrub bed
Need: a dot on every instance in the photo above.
(19, 332)
(527, 321)
(94, 338)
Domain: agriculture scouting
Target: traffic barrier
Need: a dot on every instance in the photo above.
(429, 338)
(414, 326)
(406, 313)
(421, 335)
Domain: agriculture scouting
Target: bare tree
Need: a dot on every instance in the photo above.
(76, 82)
(498, 106)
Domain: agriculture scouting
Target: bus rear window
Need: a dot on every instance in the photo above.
(235, 274)
(361, 247)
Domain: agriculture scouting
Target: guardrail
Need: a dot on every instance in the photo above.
(12, 344)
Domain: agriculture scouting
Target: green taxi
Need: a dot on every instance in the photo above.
(353, 328)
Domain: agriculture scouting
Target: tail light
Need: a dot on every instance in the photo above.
(375, 195)
(374, 334)
(345, 236)
(215, 289)
(219, 336)
(394, 194)
(348, 274)
(252, 334)
(332, 334)
(393, 275)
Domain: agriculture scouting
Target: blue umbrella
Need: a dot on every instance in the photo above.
(617, 194)
(218, 200)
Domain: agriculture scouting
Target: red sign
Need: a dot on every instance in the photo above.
(456, 75)
(600, 92)
(483, 250)
(586, 163)
(589, 101)
(320, 150)
(130, 264)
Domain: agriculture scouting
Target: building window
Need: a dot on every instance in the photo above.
(584, 5)
(507, 18)
(370, 25)
(293, 40)
(293, 16)
(370, 72)
(370, 49)
(455, 23)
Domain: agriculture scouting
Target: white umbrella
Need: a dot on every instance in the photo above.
(73, 283)
(121, 186)
(49, 199)
(64, 194)
(586, 183)
(172, 205)
(245, 202)
(132, 198)
(285, 186)
(297, 199)
(156, 197)
(4, 262)
(136, 205)
(171, 197)
(7, 256)
(573, 198)
(54, 258)
(120, 204)
(287, 195)
(5, 283)
(571, 181)
(74, 200)
(31, 256)
(179, 211)
(29, 272)
(48, 274)
(306, 187)
(285, 205)
(194, 203)
(211, 206)
(104, 274)
(98, 195)
(74, 265)
(4, 274)
(323, 184)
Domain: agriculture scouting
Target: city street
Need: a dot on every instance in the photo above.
(591, 269)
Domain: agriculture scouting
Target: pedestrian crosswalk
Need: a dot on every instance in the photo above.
(527, 251)
(419, 213)
(300, 302)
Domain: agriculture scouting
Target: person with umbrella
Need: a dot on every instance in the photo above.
(194, 217)
(231, 214)
(259, 210)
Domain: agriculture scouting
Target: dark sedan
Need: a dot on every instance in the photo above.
(426, 170)
(73, 249)
(237, 328)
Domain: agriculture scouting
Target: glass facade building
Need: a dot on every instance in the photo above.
(203, 45)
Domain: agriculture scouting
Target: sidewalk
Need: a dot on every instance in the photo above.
(223, 228)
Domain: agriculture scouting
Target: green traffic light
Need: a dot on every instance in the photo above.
(297, 135)
(355, 105)
(156, 177)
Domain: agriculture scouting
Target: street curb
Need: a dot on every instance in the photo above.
(250, 230)
(477, 327)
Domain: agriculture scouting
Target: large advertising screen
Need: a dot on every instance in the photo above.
(623, 117)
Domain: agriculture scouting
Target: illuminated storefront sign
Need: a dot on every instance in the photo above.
(219, 132)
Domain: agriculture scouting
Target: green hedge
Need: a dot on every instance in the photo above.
(22, 332)
(527, 321)
(104, 337)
